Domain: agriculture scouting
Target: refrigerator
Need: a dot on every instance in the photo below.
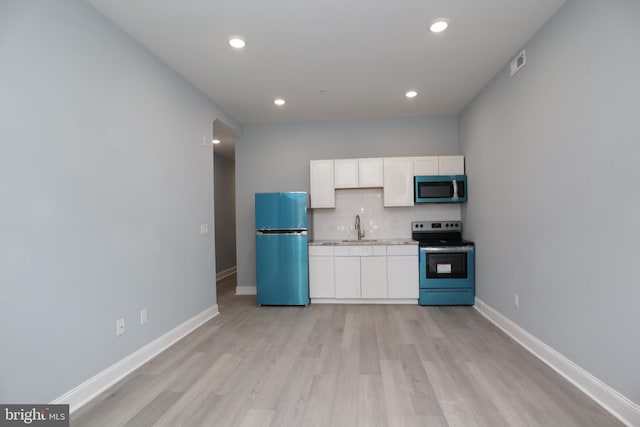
(282, 263)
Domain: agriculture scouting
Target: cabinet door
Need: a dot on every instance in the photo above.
(322, 192)
(451, 165)
(321, 277)
(370, 173)
(346, 173)
(373, 276)
(427, 165)
(403, 276)
(398, 181)
(347, 271)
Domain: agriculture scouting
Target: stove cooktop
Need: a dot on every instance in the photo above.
(443, 242)
(441, 233)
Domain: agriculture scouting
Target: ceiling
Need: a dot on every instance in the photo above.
(333, 59)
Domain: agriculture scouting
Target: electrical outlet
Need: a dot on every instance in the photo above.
(516, 301)
(204, 141)
(119, 327)
(204, 229)
(518, 62)
(143, 316)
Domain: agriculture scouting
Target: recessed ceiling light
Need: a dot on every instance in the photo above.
(411, 94)
(215, 141)
(237, 42)
(439, 26)
(279, 102)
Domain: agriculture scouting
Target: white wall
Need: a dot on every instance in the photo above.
(104, 183)
(553, 158)
(276, 158)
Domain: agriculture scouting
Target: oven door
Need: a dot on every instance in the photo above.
(447, 267)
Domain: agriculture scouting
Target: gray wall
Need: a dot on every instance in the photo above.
(552, 155)
(225, 211)
(276, 158)
(104, 183)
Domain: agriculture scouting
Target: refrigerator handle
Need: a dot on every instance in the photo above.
(280, 232)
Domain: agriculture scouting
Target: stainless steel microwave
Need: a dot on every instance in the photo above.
(440, 189)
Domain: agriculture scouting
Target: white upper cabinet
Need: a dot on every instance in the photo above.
(370, 172)
(322, 190)
(393, 174)
(346, 173)
(358, 173)
(438, 165)
(451, 165)
(398, 181)
(427, 165)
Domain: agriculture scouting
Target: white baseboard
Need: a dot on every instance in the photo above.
(83, 393)
(364, 301)
(614, 402)
(246, 290)
(226, 273)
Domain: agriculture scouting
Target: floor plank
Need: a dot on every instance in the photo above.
(342, 365)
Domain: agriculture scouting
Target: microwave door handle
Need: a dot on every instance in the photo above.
(455, 189)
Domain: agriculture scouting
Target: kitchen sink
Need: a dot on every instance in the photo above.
(360, 241)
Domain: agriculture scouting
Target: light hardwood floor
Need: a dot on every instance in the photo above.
(343, 365)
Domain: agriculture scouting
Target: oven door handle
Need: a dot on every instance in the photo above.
(447, 249)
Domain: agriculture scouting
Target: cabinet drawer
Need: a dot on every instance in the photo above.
(321, 250)
(447, 296)
(361, 250)
(367, 250)
(341, 251)
(402, 250)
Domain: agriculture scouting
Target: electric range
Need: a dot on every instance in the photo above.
(446, 263)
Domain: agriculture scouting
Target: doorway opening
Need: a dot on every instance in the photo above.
(224, 199)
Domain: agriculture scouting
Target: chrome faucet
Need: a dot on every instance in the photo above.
(360, 232)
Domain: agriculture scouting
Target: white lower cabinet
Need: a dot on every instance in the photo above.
(347, 280)
(377, 272)
(403, 276)
(402, 271)
(321, 272)
(373, 277)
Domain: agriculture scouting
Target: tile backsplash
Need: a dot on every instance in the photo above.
(377, 221)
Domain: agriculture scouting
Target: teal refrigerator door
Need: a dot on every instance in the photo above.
(282, 269)
(281, 211)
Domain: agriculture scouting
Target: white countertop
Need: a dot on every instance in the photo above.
(380, 242)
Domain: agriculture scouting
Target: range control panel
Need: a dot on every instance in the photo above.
(436, 226)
